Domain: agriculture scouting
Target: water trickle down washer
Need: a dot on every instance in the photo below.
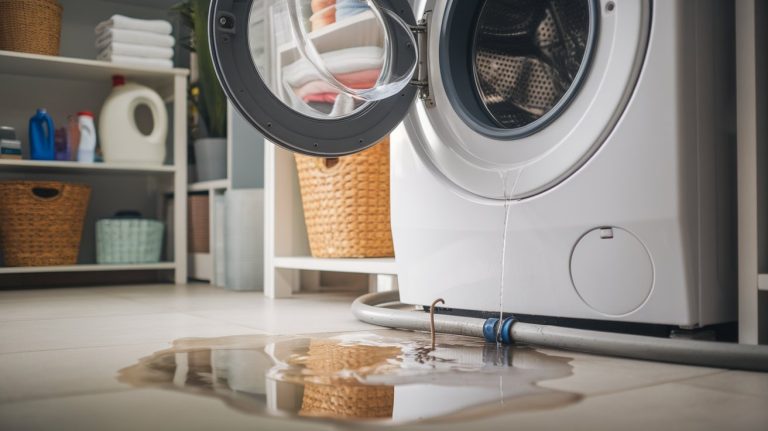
(608, 126)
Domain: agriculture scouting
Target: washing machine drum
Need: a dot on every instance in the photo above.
(498, 79)
(527, 54)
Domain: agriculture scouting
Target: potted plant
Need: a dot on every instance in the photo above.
(206, 95)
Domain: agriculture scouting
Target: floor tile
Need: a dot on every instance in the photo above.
(598, 375)
(307, 313)
(36, 335)
(737, 382)
(137, 410)
(59, 373)
(59, 306)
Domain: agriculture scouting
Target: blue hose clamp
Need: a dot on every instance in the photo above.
(506, 330)
(489, 329)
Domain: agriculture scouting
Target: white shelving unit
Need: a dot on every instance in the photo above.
(68, 85)
(752, 161)
(202, 265)
(288, 265)
(89, 268)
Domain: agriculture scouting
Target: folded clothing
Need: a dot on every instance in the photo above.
(356, 80)
(347, 8)
(133, 50)
(318, 5)
(123, 22)
(137, 61)
(111, 35)
(339, 62)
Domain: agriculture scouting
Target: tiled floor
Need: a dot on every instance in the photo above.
(61, 349)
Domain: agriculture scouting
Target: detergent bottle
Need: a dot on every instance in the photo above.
(121, 139)
(41, 136)
(86, 151)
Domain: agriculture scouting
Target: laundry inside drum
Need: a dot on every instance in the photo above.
(528, 57)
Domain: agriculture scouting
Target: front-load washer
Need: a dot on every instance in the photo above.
(600, 133)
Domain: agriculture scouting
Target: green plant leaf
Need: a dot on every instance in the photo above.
(212, 103)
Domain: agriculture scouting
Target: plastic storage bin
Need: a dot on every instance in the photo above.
(128, 239)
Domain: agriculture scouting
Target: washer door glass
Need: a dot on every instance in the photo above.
(527, 54)
(319, 77)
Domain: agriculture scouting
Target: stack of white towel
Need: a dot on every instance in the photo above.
(135, 42)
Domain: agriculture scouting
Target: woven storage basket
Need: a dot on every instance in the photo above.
(346, 203)
(41, 222)
(30, 26)
(120, 241)
(198, 224)
(346, 397)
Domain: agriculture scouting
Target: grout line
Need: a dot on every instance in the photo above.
(65, 395)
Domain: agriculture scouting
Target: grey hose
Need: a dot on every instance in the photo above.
(383, 309)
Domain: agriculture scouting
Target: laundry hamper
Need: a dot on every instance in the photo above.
(127, 238)
(41, 222)
(346, 203)
(32, 26)
(346, 397)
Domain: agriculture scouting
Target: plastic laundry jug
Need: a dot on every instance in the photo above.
(121, 139)
(41, 136)
(86, 151)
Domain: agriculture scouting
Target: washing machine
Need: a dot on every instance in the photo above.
(564, 158)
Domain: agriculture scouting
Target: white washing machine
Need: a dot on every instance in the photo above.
(601, 130)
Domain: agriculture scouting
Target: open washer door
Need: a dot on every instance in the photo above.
(316, 77)
(519, 93)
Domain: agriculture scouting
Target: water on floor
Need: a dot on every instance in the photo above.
(373, 377)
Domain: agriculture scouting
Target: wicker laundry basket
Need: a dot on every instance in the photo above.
(41, 222)
(347, 397)
(30, 26)
(346, 203)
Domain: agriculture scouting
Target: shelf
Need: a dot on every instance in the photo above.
(346, 33)
(9, 165)
(209, 185)
(363, 266)
(54, 67)
(87, 268)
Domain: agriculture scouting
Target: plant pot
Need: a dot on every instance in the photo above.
(211, 158)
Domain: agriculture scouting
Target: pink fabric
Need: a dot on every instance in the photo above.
(321, 91)
(320, 97)
(352, 79)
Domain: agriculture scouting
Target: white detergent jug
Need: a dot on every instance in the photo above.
(121, 139)
(86, 151)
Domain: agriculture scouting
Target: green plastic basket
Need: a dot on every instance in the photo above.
(121, 241)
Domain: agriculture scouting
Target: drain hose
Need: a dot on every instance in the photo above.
(384, 309)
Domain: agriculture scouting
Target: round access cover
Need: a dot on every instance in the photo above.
(612, 271)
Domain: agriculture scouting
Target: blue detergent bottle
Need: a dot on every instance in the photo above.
(41, 136)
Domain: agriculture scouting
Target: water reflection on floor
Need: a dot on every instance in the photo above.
(392, 377)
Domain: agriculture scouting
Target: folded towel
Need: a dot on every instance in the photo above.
(337, 62)
(138, 61)
(133, 50)
(119, 21)
(132, 36)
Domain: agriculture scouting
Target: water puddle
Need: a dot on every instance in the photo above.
(388, 377)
